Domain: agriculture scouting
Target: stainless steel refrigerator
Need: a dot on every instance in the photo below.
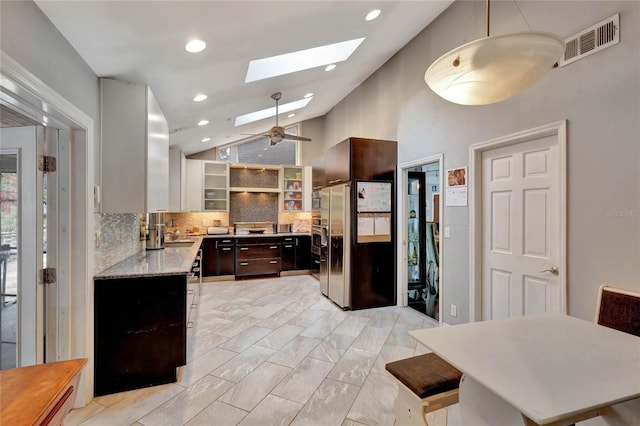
(335, 274)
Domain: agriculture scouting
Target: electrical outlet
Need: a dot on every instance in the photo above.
(454, 310)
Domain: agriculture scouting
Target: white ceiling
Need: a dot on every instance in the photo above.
(143, 41)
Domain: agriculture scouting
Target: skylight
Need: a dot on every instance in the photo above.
(270, 112)
(287, 63)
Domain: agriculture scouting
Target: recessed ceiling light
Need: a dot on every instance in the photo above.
(330, 67)
(203, 122)
(308, 95)
(270, 112)
(291, 115)
(372, 15)
(195, 46)
(206, 139)
(199, 98)
(301, 60)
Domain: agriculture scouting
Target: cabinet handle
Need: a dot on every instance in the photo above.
(226, 248)
(317, 261)
(289, 246)
(288, 239)
(244, 248)
(196, 269)
(226, 241)
(273, 261)
(273, 247)
(244, 264)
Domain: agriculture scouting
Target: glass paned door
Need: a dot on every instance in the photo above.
(23, 246)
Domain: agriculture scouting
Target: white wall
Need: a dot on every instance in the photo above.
(598, 95)
(35, 43)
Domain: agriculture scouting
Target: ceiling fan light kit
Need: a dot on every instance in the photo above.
(277, 133)
(494, 68)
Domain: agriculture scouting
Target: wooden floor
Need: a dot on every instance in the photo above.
(275, 351)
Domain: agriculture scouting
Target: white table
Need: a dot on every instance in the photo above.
(551, 368)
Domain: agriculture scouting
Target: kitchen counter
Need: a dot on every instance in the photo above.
(172, 260)
(245, 235)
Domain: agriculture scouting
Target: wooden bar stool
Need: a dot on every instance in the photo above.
(427, 383)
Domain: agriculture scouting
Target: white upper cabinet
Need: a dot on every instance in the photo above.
(135, 149)
(177, 180)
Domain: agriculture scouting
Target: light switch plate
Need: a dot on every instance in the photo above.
(447, 232)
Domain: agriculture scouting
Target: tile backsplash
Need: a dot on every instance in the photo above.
(117, 237)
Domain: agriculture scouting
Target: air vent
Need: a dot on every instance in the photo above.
(592, 40)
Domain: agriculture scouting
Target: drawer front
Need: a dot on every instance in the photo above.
(257, 267)
(257, 240)
(258, 252)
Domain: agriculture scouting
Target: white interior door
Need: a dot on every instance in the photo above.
(30, 242)
(521, 235)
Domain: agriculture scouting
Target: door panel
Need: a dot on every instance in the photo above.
(521, 240)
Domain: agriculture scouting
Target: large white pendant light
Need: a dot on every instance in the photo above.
(493, 68)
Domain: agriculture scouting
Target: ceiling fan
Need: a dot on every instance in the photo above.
(276, 133)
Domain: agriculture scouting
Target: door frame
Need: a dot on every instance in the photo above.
(26, 93)
(557, 129)
(402, 228)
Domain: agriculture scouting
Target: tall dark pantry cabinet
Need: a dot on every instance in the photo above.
(359, 265)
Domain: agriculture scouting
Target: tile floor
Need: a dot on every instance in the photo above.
(276, 352)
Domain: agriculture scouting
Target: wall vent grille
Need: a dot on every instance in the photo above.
(600, 36)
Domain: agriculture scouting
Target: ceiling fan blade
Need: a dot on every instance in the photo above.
(295, 138)
(254, 134)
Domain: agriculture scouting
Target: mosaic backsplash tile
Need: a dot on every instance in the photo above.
(117, 237)
(253, 207)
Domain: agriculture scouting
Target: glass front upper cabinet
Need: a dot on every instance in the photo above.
(216, 186)
(292, 188)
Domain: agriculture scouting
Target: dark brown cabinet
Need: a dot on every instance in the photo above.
(139, 331)
(317, 173)
(226, 256)
(218, 257)
(258, 256)
(356, 158)
(296, 253)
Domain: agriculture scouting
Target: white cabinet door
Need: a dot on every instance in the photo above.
(157, 156)
(194, 194)
(135, 149)
(177, 180)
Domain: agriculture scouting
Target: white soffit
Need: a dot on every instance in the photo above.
(270, 112)
(287, 63)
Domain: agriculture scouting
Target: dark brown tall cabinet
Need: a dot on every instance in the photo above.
(372, 268)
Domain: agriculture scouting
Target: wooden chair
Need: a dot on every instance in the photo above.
(618, 309)
(427, 383)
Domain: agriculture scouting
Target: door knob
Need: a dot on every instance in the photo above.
(553, 270)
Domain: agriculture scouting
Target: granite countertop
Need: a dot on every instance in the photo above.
(280, 234)
(172, 260)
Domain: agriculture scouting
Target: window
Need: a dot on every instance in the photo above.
(259, 151)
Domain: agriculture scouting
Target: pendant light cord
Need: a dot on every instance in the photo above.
(522, 14)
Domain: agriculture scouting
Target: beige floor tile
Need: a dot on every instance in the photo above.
(267, 311)
(280, 336)
(245, 339)
(278, 319)
(133, 405)
(272, 411)
(371, 338)
(354, 366)
(203, 343)
(302, 382)
(77, 416)
(253, 388)
(332, 347)
(202, 365)
(349, 422)
(218, 414)
(374, 404)
(295, 351)
(306, 318)
(237, 368)
(390, 353)
(321, 328)
(352, 326)
(328, 405)
(399, 336)
(183, 407)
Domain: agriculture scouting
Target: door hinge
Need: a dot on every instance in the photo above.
(47, 164)
(48, 276)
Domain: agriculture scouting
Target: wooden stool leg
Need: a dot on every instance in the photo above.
(409, 409)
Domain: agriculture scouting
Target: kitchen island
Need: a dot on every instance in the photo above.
(140, 319)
